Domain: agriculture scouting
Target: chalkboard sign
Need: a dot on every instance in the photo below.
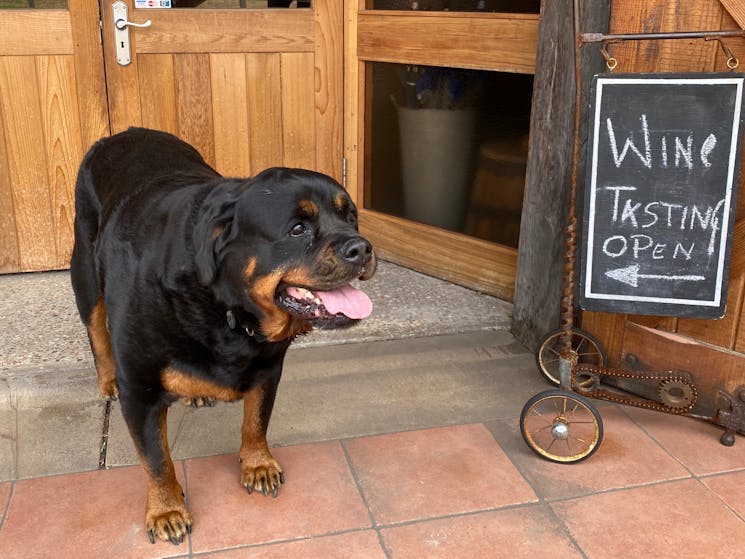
(663, 167)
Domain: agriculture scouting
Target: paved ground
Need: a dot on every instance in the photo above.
(659, 486)
(52, 417)
(399, 440)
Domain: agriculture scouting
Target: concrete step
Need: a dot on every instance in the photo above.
(432, 353)
(327, 392)
(40, 329)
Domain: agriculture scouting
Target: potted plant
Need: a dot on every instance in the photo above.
(437, 112)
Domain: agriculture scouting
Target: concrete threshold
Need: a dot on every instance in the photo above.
(432, 354)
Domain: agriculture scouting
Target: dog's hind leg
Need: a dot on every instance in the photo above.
(100, 340)
(89, 299)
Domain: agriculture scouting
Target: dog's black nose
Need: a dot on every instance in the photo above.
(356, 251)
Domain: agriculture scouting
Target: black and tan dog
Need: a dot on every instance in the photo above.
(193, 285)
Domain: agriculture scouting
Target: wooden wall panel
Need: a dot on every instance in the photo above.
(9, 256)
(736, 46)
(157, 92)
(737, 273)
(736, 10)
(61, 127)
(739, 344)
(644, 16)
(298, 125)
(723, 332)
(689, 56)
(194, 102)
(609, 329)
(230, 114)
(23, 121)
(263, 82)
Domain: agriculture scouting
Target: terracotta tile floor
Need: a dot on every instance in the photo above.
(659, 486)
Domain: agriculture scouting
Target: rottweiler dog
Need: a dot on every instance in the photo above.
(192, 285)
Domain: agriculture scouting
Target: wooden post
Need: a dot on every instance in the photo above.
(540, 270)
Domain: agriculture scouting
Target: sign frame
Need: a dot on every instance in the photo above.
(629, 281)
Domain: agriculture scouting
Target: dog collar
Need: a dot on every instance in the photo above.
(232, 323)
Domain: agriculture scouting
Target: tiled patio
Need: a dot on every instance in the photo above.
(399, 440)
(659, 486)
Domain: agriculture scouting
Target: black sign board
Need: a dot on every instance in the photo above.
(663, 165)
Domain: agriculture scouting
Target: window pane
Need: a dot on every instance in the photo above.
(449, 148)
(507, 6)
(38, 4)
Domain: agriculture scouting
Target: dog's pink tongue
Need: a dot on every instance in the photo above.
(347, 300)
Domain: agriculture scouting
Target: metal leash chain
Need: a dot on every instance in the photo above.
(592, 389)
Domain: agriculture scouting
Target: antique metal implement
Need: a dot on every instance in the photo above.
(667, 392)
(561, 424)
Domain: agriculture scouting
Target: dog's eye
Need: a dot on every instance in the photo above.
(298, 229)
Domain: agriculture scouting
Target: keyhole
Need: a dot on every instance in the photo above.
(122, 44)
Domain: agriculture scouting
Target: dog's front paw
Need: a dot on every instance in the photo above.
(109, 390)
(166, 515)
(261, 473)
(171, 526)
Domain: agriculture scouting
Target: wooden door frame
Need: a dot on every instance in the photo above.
(542, 254)
(480, 264)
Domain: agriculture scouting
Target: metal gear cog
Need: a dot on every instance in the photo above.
(677, 394)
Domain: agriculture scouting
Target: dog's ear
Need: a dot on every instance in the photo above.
(214, 229)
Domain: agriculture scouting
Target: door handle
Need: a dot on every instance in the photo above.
(119, 11)
(122, 23)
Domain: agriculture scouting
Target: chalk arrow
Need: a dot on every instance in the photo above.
(630, 276)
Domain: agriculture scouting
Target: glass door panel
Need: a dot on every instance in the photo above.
(508, 6)
(226, 4)
(449, 148)
(450, 210)
(34, 4)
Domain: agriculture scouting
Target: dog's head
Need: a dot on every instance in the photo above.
(285, 247)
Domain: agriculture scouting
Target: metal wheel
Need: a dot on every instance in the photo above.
(585, 348)
(561, 426)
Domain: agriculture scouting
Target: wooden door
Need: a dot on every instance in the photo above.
(52, 107)
(249, 88)
(393, 32)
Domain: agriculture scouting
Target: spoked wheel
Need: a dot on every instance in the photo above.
(585, 348)
(561, 426)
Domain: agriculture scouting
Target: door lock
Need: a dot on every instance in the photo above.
(119, 12)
